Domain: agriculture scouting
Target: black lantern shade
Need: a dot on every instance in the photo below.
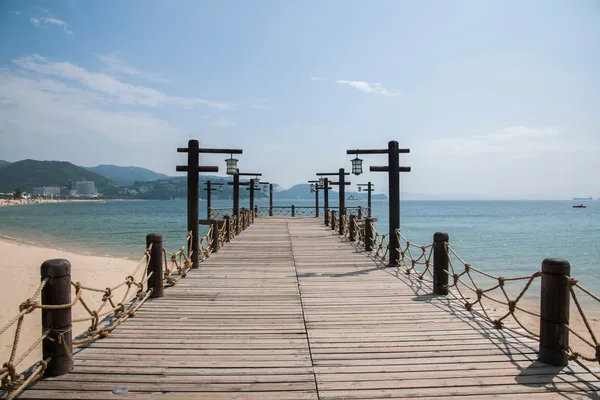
(322, 181)
(312, 188)
(357, 166)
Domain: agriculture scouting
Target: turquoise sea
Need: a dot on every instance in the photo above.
(507, 238)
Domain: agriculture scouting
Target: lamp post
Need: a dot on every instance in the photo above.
(236, 194)
(271, 199)
(324, 184)
(193, 169)
(393, 169)
(368, 189)
(314, 188)
(209, 188)
(252, 187)
(342, 184)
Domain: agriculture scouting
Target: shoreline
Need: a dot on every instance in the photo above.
(26, 202)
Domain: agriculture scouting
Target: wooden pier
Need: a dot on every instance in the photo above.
(291, 310)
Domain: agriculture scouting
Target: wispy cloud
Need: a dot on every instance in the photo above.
(43, 22)
(111, 88)
(114, 64)
(366, 87)
(223, 123)
(515, 141)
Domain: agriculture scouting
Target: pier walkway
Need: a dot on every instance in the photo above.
(289, 310)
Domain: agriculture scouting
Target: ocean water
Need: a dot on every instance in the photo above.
(506, 238)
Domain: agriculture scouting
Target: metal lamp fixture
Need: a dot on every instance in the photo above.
(232, 168)
(265, 188)
(312, 188)
(357, 165)
(220, 188)
(360, 189)
(321, 181)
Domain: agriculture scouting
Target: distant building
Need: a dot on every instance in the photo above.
(85, 188)
(45, 191)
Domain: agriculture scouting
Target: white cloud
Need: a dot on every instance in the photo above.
(366, 87)
(223, 123)
(113, 89)
(46, 21)
(115, 64)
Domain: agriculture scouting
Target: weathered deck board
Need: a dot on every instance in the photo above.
(288, 310)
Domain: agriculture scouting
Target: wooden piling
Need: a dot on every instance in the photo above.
(554, 312)
(215, 236)
(293, 211)
(368, 234)
(227, 228)
(351, 230)
(155, 265)
(440, 263)
(58, 346)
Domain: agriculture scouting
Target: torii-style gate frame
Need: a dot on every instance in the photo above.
(193, 170)
(342, 184)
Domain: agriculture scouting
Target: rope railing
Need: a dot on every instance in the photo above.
(287, 211)
(220, 213)
(14, 382)
(592, 341)
(178, 264)
(411, 262)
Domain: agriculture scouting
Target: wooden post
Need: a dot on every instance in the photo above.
(155, 266)
(251, 188)
(270, 200)
(57, 291)
(368, 234)
(236, 203)
(333, 220)
(554, 312)
(369, 197)
(440, 263)
(215, 235)
(193, 193)
(256, 211)
(317, 200)
(208, 199)
(394, 202)
(359, 212)
(293, 210)
(351, 231)
(227, 228)
(242, 219)
(326, 201)
(342, 183)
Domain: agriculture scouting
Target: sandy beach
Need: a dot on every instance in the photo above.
(22, 202)
(20, 267)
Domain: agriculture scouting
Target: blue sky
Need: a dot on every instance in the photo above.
(495, 99)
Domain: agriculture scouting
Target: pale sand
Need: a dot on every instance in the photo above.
(11, 202)
(20, 267)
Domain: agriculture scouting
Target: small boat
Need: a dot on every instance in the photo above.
(579, 206)
(351, 197)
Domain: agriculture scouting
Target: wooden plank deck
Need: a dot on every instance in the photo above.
(288, 310)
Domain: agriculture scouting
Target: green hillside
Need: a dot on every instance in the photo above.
(126, 176)
(4, 163)
(27, 174)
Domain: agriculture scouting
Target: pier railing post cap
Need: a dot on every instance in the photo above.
(154, 237)
(441, 237)
(55, 268)
(556, 266)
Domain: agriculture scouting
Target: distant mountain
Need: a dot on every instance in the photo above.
(27, 174)
(3, 163)
(126, 176)
(302, 192)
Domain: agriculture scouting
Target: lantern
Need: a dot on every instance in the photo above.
(357, 165)
(360, 188)
(232, 168)
(220, 188)
(265, 188)
(312, 188)
(322, 181)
